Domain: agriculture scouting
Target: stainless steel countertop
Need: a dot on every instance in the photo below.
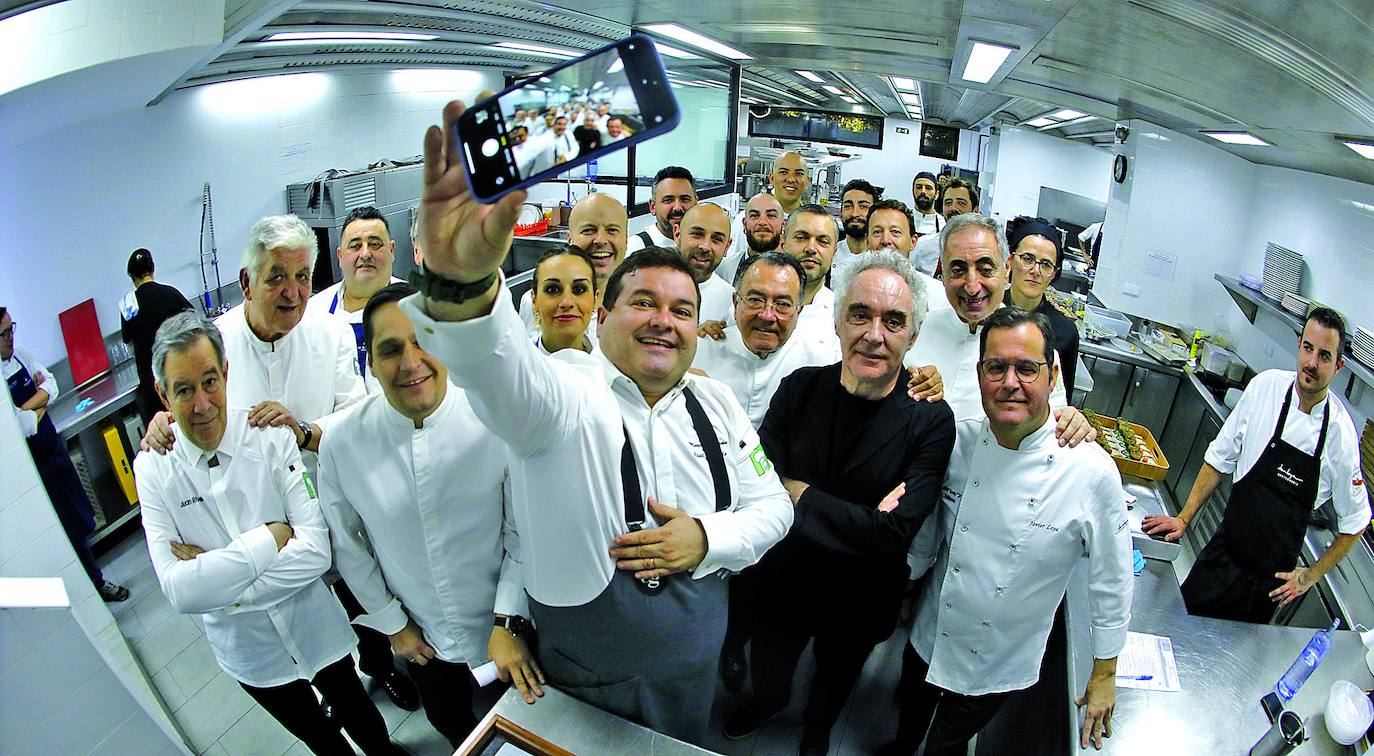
(1109, 351)
(584, 729)
(1225, 667)
(109, 394)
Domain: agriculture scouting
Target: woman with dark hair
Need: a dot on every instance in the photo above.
(564, 299)
(1037, 259)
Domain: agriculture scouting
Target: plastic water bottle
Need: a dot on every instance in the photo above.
(591, 170)
(1306, 663)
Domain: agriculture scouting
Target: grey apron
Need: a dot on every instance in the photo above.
(645, 650)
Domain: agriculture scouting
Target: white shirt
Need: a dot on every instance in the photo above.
(660, 239)
(324, 304)
(1248, 428)
(21, 358)
(755, 379)
(930, 223)
(532, 156)
(1015, 525)
(268, 615)
(562, 417)
(717, 300)
(565, 146)
(420, 524)
(312, 370)
(925, 256)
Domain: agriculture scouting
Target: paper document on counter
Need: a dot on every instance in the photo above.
(1147, 663)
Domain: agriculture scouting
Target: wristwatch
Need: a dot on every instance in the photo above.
(307, 432)
(516, 625)
(438, 288)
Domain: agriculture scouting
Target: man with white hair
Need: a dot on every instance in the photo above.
(863, 463)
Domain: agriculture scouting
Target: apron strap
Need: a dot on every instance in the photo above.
(646, 238)
(1326, 421)
(715, 460)
(1283, 416)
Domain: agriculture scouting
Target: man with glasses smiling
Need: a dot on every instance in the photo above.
(1019, 513)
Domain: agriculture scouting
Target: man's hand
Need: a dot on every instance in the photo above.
(1170, 527)
(282, 532)
(926, 383)
(464, 240)
(891, 501)
(271, 414)
(795, 489)
(715, 329)
(1295, 584)
(515, 664)
(677, 545)
(186, 551)
(39, 413)
(409, 643)
(1072, 427)
(1100, 700)
(159, 437)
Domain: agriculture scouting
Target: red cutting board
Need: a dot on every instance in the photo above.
(85, 346)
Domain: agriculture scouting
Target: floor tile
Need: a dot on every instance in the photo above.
(194, 667)
(171, 693)
(416, 734)
(207, 715)
(159, 645)
(257, 734)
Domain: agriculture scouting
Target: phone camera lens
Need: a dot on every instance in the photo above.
(658, 119)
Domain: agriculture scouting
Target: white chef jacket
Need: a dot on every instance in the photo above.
(925, 256)
(1248, 428)
(532, 156)
(312, 370)
(929, 224)
(820, 314)
(755, 379)
(268, 615)
(1015, 525)
(564, 419)
(420, 524)
(40, 375)
(330, 298)
(565, 146)
(660, 240)
(28, 419)
(717, 301)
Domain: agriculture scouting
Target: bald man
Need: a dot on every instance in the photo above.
(598, 223)
(760, 230)
(703, 237)
(790, 180)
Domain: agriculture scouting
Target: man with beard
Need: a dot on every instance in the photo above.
(597, 224)
(890, 223)
(674, 194)
(760, 231)
(923, 196)
(959, 196)
(789, 180)
(703, 238)
(809, 236)
(855, 201)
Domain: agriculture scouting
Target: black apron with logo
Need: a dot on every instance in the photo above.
(645, 650)
(54, 465)
(1261, 533)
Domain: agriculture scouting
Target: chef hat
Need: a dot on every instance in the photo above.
(1022, 226)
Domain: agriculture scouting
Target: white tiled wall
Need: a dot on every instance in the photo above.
(1028, 160)
(68, 681)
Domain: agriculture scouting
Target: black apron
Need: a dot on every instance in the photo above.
(54, 465)
(646, 238)
(1261, 532)
(645, 650)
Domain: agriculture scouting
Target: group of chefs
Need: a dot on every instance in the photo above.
(714, 473)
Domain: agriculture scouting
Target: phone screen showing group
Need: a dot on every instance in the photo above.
(566, 116)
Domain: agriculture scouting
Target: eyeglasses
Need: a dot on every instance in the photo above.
(1027, 371)
(8, 332)
(781, 307)
(1028, 261)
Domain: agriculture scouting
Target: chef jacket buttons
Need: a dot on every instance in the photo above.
(944, 635)
(956, 569)
(1014, 547)
(963, 527)
(949, 605)
(1000, 589)
(975, 484)
(986, 623)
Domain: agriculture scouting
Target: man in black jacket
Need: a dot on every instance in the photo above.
(864, 464)
(141, 311)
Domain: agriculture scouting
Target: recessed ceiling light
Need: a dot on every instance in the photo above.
(1065, 114)
(911, 97)
(690, 37)
(984, 60)
(1238, 137)
(903, 83)
(849, 99)
(673, 52)
(1041, 121)
(1365, 150)
(540, 49)
(351, 36)
(811, 76)
(832, 89)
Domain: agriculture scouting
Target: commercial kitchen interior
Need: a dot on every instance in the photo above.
(129, 123)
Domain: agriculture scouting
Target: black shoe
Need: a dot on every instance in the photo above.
(814, 743)
(733, 668)
(400, 690)
(329, 713)
(112, 592)
(746, 722)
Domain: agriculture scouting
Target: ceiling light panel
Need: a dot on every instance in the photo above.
(849, 99)
(1238, 137)
(1041, 121)
(350, 36)
(903, 84)
(1065, 114)
(539, 49)
(687, 36)
(1364, 150)
(984, 60)
(810, 76)
(832, 89)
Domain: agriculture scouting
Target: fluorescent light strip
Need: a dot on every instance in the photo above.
(351, 36)
(832, 89)
(673, 31)
(1065, 114)
(811, 76)
(1238, 137)
(540, 49)
(911, 98)
(849, 99)
(984, 60)
(1040, 122)
(1364, 150)
(673, 52)
(903, 84)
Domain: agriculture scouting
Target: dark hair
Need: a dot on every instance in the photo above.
(366, 212)
(2, 313)
(1011, 317)
(569, 249)
(862, 186)
(390, 295)
(556, 119)
(1325, 316)
(674, 172)
(1023, 226)
(899, 206)
(140, 263)
(774, 260)
(645, 259)
(809, 209)
(961, 183)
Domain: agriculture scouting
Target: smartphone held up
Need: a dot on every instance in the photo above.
(618, 95)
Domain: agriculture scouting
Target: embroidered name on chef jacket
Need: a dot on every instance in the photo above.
(1288, 476)
(190, 501)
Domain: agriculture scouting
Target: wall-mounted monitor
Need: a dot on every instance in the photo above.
(849, 129)
(939, 141)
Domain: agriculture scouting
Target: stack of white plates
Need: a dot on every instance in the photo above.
(1362, 347)
(1282, 271)
(1296, 304)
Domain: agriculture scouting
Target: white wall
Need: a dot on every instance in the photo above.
(900, 159)
(1027, 160)
(79, 200)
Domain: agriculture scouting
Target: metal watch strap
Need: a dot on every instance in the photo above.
(438, 288)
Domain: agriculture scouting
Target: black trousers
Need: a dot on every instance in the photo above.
(294, 705)
(740, 627)
(947, 721)
(446, 690)
(74, 510)
(374, 649)
(778, 645)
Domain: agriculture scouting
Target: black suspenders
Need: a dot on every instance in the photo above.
(646, 238)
